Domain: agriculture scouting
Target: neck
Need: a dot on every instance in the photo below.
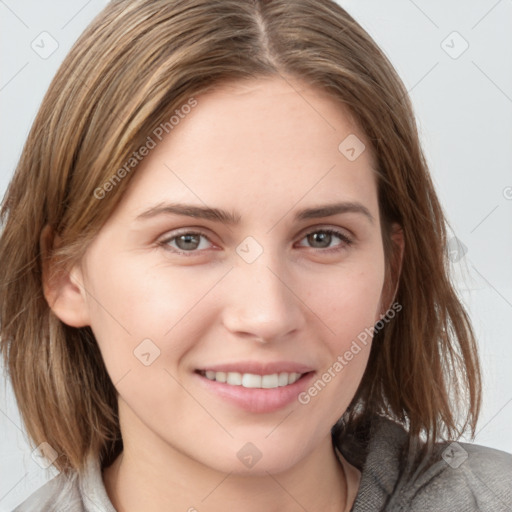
(157, 478)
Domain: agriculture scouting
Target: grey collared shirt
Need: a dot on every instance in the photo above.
(460, 477)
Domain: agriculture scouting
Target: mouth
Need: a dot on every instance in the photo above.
(256, 388)
(252, 380)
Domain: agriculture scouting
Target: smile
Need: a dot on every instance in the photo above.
(251, 380)
(256, 386)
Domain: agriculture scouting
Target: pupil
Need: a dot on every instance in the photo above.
(187, 241)
(323, 238)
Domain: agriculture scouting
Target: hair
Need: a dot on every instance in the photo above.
(133, 66)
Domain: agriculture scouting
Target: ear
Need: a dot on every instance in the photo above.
(63, 288)
(393, 268)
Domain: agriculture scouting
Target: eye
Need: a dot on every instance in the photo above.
(324, 238)
(188, 241)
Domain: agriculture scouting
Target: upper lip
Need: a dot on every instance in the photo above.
(259, 368)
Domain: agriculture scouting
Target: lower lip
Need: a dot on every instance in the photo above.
(256, 399)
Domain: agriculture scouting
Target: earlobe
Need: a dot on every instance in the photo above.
(63, 288)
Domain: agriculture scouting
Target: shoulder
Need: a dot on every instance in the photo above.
(61, 493)
(463, 477)
(76, 492)
(456, 476)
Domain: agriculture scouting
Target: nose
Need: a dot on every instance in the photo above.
(261, 303)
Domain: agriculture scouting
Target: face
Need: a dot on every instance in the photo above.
(247, 248)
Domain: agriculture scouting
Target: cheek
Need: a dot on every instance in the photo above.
(348, 301)
(352, 314)
(130, 303)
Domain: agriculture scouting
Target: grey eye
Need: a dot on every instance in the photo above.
(320, 239)
(188, 241)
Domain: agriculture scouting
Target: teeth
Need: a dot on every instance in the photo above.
(270, 381)
(250, 380)
(283, 379)
(235, 379)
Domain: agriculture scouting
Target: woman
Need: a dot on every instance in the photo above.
(225, 274)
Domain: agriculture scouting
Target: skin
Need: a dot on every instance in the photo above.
(263, 150)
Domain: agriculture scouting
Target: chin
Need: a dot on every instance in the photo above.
(257, 456)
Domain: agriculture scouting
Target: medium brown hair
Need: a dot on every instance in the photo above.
(136, 63)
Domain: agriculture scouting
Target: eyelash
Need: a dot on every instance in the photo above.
(346, 241)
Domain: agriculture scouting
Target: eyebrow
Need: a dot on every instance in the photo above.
(232, 218)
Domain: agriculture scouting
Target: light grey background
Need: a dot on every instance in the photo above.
(463, 105)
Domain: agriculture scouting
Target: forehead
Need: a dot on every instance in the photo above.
(262, 140)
